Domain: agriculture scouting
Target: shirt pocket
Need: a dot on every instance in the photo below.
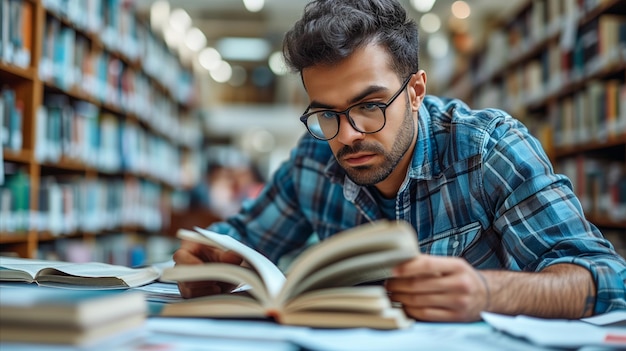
(452, 242)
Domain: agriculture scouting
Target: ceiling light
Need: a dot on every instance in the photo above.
(243, 49)
(254, 5)
(159, 14)
(209, 58)
(171, 37)
(422, 5)
(430, 23)
(461, 10)
(180, 20)
(277, 63)
(222, 72)
(195, 39)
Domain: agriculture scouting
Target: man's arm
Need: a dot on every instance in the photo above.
(539, 223)
(438, 288)
(559, 291)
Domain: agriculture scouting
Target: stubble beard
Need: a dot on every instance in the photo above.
(372, 174)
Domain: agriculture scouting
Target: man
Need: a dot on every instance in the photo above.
(499, 230)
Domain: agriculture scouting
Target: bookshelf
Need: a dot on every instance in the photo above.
(560, 67)
(99, 128)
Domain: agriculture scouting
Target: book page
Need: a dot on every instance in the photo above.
(11, 275)
(613, 318)
(223, 305)
(369, 267)
(271, 275)
(66, 274)
(558, 333)
(392, 318)
(10, 268)
(362, 299)
(222, 272)
(389, 242)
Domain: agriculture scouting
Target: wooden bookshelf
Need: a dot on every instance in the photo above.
(560, 67)
(75, 79)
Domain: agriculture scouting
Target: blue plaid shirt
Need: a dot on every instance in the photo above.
(479, 187)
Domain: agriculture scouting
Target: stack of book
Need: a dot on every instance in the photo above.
(82, 318)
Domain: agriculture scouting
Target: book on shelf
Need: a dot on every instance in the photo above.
(61, 316)
(89, 275)
(16, 32)
(11, 117)
(15, 201)
(326, 285)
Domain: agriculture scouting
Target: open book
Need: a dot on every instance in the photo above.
(91, 275)
(320, 289)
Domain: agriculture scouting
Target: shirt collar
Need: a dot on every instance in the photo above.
(424, 162)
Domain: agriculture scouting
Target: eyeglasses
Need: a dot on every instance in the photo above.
(364, 117)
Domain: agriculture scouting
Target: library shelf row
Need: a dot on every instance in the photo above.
(99, 127)
(560, 67)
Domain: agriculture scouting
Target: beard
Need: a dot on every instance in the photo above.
(370, 175)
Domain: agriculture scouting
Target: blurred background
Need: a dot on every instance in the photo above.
(124, 120)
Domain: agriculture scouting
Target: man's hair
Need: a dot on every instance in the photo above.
(331, 30)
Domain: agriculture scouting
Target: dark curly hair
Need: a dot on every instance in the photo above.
(331, 30)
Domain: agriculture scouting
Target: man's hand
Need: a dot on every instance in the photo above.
(435, 288)
(195, 253)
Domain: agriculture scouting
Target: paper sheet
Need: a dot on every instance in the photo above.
(557, 332)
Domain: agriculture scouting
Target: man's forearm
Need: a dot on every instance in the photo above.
(559, 291)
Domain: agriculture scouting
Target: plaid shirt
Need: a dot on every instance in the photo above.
(479, 187)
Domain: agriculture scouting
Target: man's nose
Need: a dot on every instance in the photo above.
(347, 135)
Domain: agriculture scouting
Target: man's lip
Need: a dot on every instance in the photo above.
(358, 158)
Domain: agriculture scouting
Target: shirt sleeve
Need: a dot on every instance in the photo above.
(540, 218)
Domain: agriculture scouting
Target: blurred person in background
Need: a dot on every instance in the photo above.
(231, 178)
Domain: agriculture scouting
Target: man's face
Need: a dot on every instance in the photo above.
(380, 158)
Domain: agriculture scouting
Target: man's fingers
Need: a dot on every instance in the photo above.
(230, 257)
(419, 284)
(203, 288)
(196, 289)
(194, 253)
(446, 301)
(427, 265)
(182, 256)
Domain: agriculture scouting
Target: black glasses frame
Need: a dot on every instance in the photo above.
(382, 105)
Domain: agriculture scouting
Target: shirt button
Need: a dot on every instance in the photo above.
(455, 244)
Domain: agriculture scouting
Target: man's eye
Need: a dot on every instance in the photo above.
(327, 114)
(368, 106)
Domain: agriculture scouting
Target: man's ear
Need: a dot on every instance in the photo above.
(417, 89)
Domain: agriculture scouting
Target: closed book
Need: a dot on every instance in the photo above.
(49, 315)
(78, 309)
(125, 328)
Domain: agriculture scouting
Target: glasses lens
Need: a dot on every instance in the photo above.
(367, 117)
(323, 125)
